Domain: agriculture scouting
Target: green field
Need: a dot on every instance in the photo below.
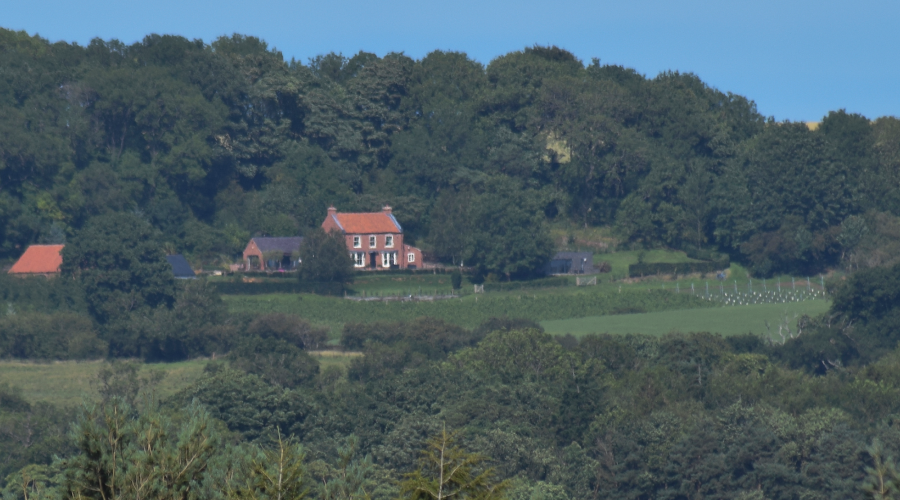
(621, 260)
(725, 320)
(69, 383)
(471, 310)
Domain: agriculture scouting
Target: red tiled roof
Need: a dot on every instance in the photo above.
(38, 259)
(375, 222)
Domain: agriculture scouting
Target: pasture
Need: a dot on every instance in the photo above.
(619, 261)
(69, 383)
(471, 310)
(726, 320)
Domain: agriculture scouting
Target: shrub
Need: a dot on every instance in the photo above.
(289, 328)
(275, 361)
(58, 336)
(456, 279)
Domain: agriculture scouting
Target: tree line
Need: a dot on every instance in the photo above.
(212, 143)
(520, 413)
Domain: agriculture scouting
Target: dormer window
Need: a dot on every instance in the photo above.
(389, 241)
(372, 242)
(356, 242)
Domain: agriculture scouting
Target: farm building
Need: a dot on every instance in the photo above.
(571, 263)
(39, 260)
(271, 254)
(374, 239)
(180, 267)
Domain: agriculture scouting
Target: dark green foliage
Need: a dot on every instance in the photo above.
(216, 142)
(649, 269)
(275, 361)
(869, 294)
(456, 279)
(248, 405)
(239, 288)
(291, 329)
(55, 336)
(120, 265)
(324, 258)
(30, 433)
(433, 337)
(199, 146)
(389, 348)
(39, 294)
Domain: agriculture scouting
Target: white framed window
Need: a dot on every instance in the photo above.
(372, 243)
(359, 259)
(410, 257)
(388, 259)
(389, 241)
(357, 243)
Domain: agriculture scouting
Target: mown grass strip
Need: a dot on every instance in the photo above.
(725, 320)
(470, 311)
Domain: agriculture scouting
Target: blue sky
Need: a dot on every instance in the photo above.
(796, 59)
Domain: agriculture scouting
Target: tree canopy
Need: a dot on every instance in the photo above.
(218, 141)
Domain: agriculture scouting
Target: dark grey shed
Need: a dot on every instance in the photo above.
(273, 253)
(571, 263)
(286, 244)
(180, 267)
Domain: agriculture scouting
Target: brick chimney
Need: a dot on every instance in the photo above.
(387, 209)
(331, 211)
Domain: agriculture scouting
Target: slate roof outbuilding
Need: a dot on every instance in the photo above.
(287, 244)
(180, 267)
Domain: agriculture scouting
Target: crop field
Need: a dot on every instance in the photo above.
(727, 320)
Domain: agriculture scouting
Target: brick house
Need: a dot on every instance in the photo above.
(269, 254)
(375, 239)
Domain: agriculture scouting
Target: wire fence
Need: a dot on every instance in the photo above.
(734, 293)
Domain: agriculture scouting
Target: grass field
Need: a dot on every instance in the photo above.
(471, 310)
(621, 260)
(68, 383)
(724, 320)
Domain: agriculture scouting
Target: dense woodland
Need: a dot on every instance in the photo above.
(214, 143)
(169, 144)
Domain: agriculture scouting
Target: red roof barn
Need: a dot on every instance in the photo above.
(39, 260)
(374, 239)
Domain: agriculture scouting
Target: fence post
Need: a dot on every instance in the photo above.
(707, 289)
(764, 286)
(808, 286)
(793, 284)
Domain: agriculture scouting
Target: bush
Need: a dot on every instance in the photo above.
(289, 328)
(332, 288)
(643, 269)
(434, 338)
(456, 279)
(324, 258)
(275, 361)
(56, 336)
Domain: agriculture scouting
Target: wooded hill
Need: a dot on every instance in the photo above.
(213, 143)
